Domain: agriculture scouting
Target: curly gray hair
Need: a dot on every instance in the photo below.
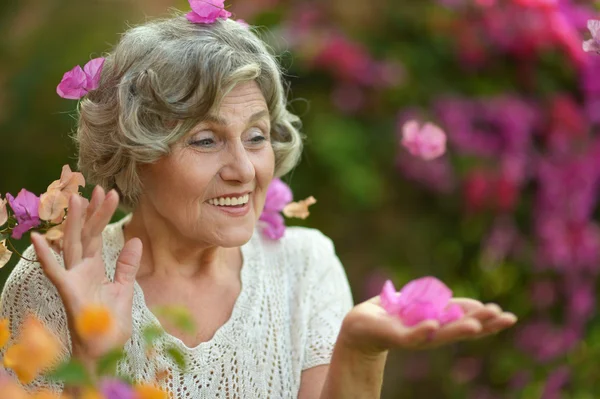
(160, 81)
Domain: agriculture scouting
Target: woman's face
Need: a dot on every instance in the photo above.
(212, 186)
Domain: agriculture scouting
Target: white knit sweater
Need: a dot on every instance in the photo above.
(286, 319)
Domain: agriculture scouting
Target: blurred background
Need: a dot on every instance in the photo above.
(508, 215)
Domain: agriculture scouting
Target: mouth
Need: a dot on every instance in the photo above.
(237, 204)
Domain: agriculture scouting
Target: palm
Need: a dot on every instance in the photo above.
(83, 281)
(372, 330)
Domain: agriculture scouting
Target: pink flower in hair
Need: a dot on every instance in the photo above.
(79, 81)
(207, 11)
(593, 45)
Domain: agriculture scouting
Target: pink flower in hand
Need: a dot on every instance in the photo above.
(593, 45)
(25, 208)
(79, 81)
(428, 142)
(207, 11)
(426, 298)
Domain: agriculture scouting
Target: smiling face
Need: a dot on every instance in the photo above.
(211, 188)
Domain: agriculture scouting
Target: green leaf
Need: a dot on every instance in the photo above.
(107, 364)
(3, 236)
(177, 356)
(70, 373)
(179, 316)
(151, 334)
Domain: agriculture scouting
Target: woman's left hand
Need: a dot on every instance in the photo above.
(370, 330)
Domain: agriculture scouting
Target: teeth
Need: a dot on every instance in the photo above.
(229, 201)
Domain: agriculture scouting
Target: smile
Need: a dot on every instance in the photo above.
(229, 201)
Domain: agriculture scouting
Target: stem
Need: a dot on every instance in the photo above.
(18, 253)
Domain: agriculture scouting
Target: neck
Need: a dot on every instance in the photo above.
(168, 253)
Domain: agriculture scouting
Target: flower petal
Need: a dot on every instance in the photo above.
(273, 225)
(417, 312)
(389, 298)
(426, 289)
(52, 206)
(72, 85)
(3, 211)
(299, 209)
(207, 11)
(93, 71)
(5, 255)
(451, 313)
(428, 142)
(279, 195)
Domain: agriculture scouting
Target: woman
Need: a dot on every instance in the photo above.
(187, 129)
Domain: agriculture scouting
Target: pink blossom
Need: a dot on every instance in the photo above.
(426, 298)
(273, 225)
(93, 70)
(593, 45)
(278, 196)
(427, 142)
(25, 207)
(79, 81)
(72, 86)
(207, 11)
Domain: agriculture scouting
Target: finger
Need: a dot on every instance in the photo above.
(499, 323)
(128, 262)
(467, 304)
(50, 266)
(464, 328)
(92, 232)
(488, 312)
(72, 238)
(409, 337)
(97, 199)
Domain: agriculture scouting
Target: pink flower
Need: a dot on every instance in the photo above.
(25, 208)
(79, 81)
(428, 142)
(593, 45)
(278, 196)
(116, 389)
(207, 11)
(273, 225)
(426, 298)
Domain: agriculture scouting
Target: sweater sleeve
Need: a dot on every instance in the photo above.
(29, 292)
(330, 301)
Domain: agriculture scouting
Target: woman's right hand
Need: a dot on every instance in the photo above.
(83, 282)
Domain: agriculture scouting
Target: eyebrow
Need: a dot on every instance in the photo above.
(220, 121)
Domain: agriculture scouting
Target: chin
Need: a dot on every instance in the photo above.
(237, 236)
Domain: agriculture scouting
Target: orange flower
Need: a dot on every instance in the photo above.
(36, 349)
(90, 393)
(69, 182)
(4, 332)
(52, 206)
(149, 392)
(5, 254)
(93, 322)
(3, 212)
(299, 209)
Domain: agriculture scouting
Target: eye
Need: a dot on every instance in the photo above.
(204, 142)
(258, 139)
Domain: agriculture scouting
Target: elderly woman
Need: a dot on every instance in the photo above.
(187, 129)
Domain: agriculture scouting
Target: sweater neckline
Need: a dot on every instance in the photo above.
(243, 304)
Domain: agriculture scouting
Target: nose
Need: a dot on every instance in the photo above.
(237, 167)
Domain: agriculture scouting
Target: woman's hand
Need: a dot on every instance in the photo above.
(83, 282)
(371, 331)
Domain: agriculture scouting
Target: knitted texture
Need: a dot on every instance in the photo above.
(286, 319)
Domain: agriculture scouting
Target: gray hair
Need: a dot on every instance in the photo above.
(160, 81)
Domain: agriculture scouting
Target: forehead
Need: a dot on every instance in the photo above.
(244, 101)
